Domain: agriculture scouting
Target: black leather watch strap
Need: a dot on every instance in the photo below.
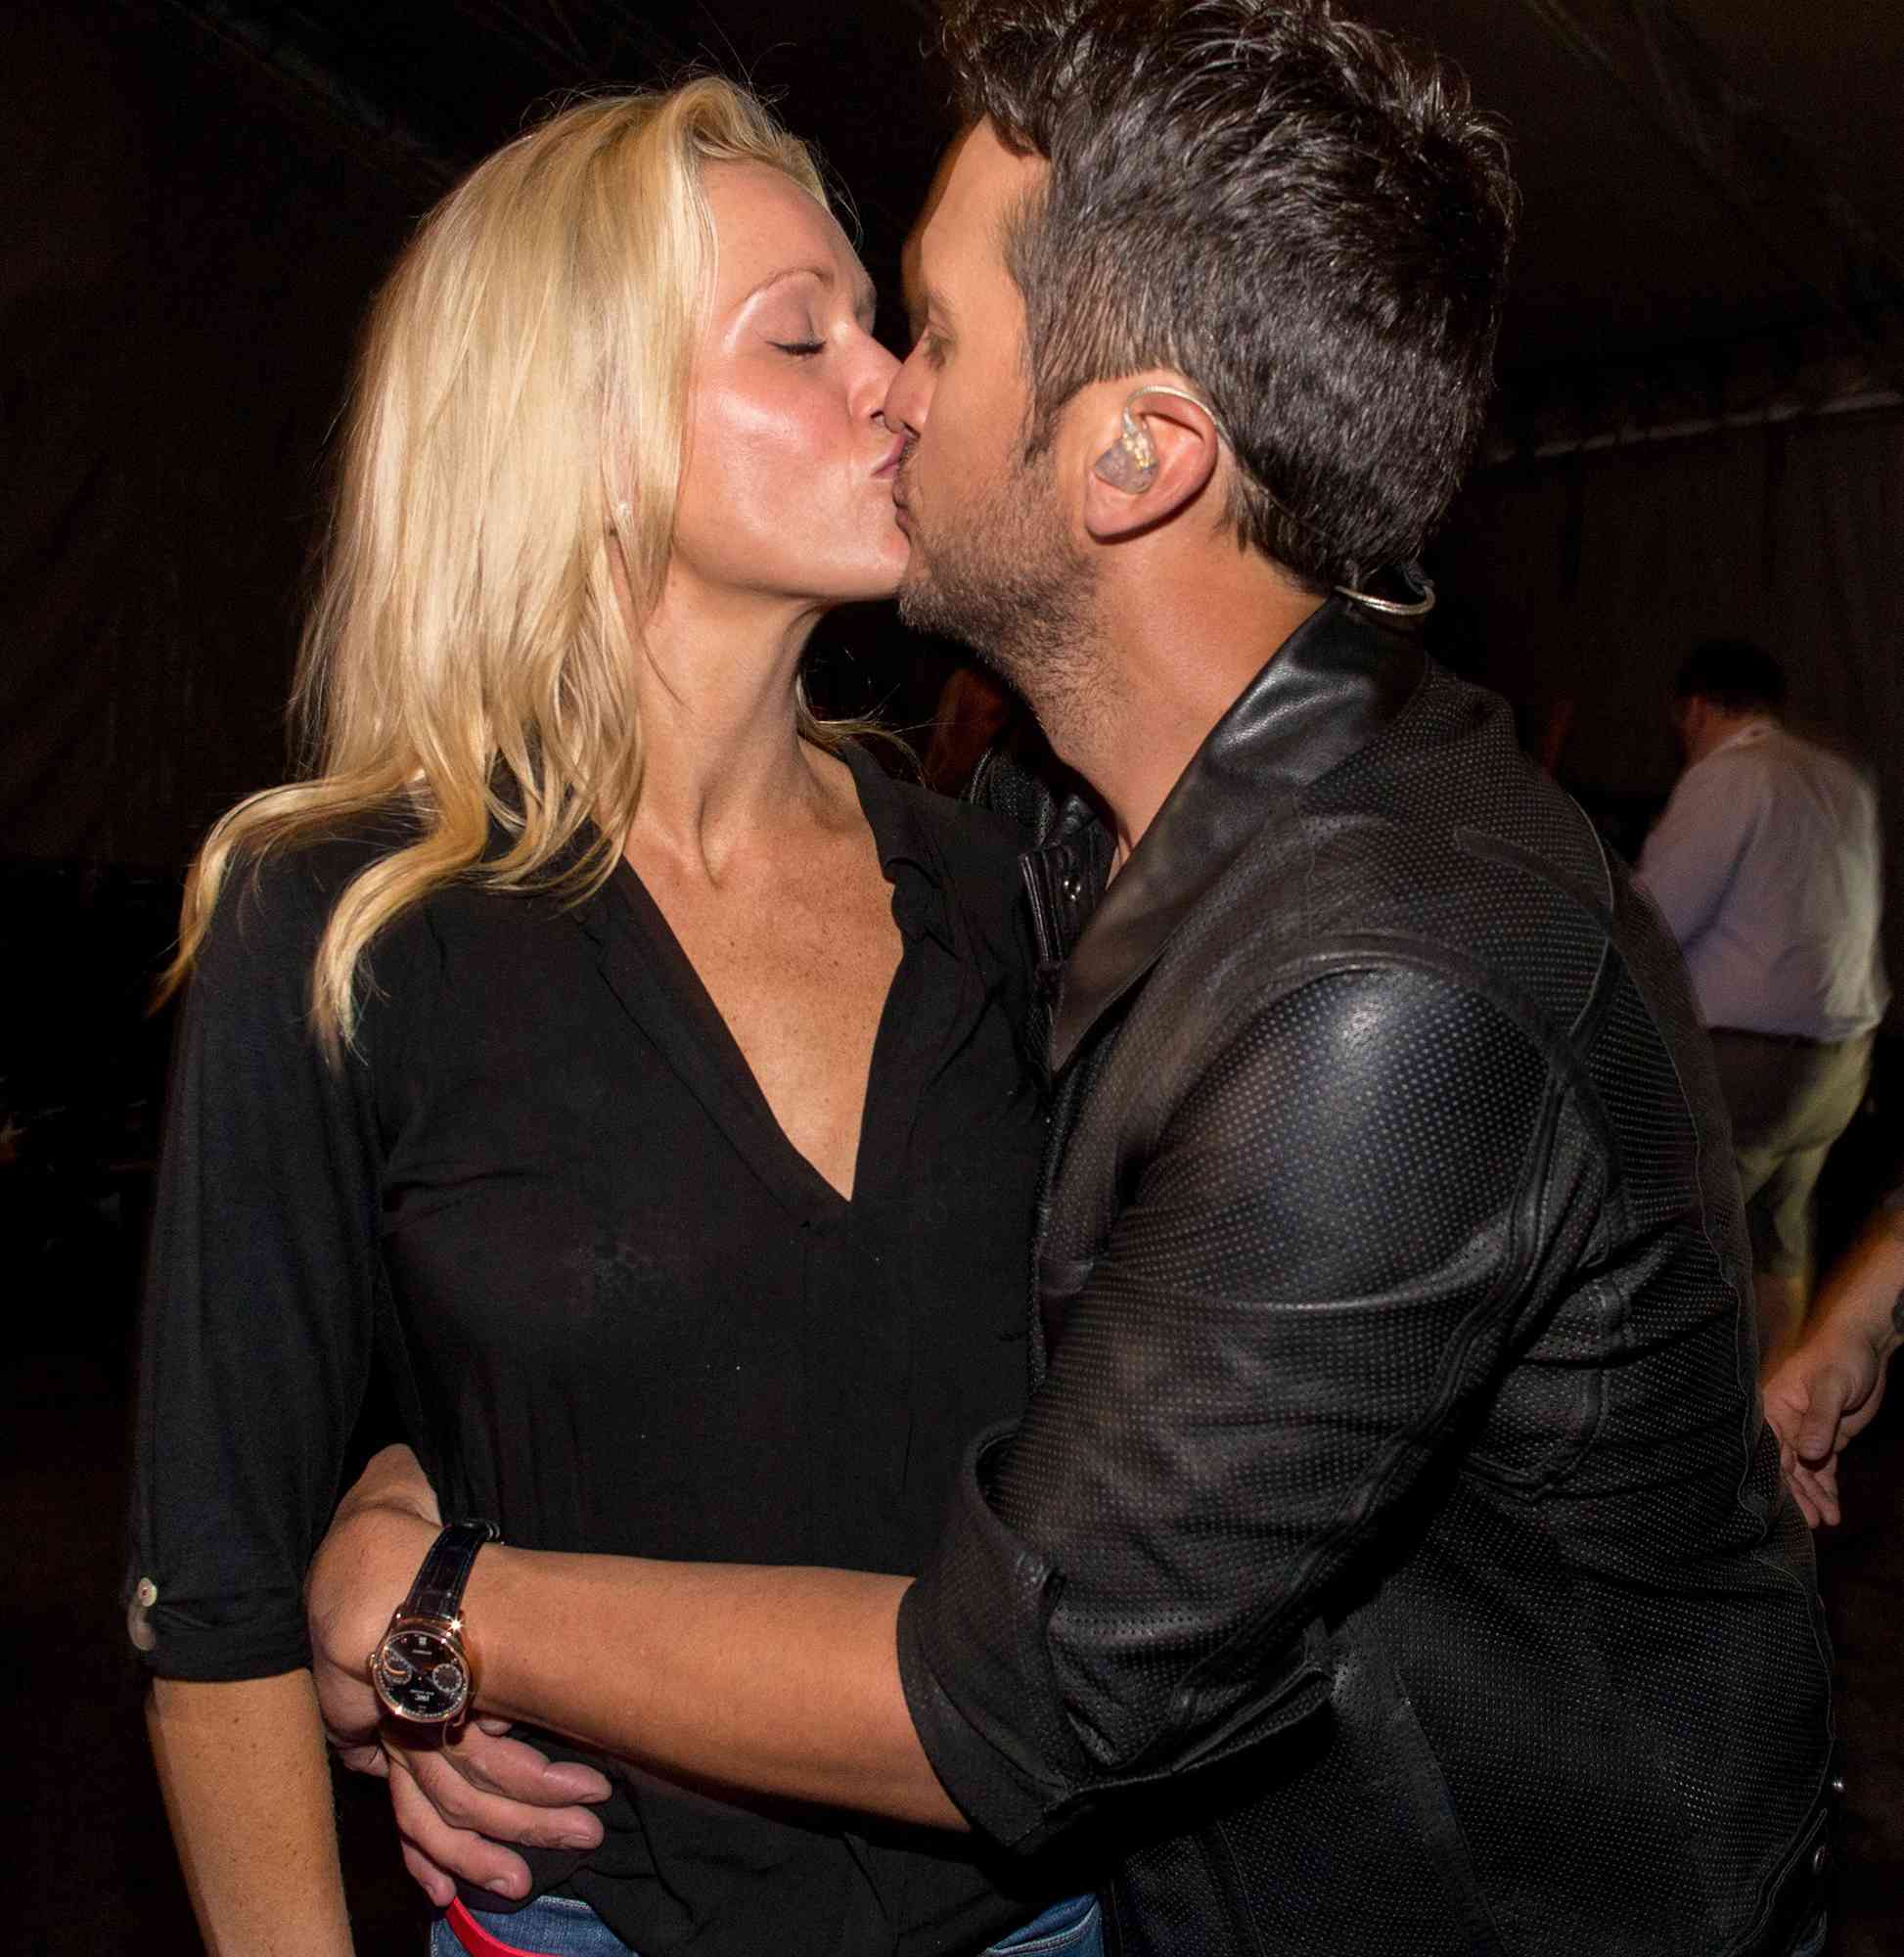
(437, 1591)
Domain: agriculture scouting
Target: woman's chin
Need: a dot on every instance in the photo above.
(859, 577)
(882, 582)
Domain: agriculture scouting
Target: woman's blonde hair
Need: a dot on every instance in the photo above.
(517, 413)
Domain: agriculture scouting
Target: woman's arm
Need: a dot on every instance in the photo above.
(248, 1791)
(255, 1346)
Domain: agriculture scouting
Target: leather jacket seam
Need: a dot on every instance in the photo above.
(1372, 951)
(1220, 1865)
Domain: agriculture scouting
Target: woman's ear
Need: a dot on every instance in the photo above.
(1153, 454)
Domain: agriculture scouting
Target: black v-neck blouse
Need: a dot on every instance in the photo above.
(618, 1310)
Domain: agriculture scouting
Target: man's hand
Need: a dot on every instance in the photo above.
(447, 1797)
(1822, 1396)
(364, 1567)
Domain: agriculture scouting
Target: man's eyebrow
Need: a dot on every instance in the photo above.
(924, 302)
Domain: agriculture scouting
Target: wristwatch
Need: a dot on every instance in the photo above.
(421, 1668)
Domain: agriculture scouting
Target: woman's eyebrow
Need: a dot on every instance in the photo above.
(866, 299)
(821, 272)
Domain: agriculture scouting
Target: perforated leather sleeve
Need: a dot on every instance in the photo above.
(1325, 1247)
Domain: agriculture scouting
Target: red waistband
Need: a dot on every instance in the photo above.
(476, 1941)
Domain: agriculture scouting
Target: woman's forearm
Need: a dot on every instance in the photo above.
(781, 1681)
(248, 1791)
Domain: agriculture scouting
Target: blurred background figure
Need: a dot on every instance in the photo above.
(974, 709)
(1827, 1392)
(1768, 865)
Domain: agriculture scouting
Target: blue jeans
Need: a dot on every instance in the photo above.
(555, 1926)
(1073, 1928)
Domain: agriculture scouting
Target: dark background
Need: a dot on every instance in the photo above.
(1701, 432)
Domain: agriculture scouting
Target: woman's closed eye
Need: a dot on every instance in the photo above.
(799, 348)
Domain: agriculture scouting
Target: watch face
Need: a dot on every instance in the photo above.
(420, 1674)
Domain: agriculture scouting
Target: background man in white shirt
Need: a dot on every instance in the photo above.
(1768, 864)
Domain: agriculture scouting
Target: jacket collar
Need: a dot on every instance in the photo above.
(1327, 691)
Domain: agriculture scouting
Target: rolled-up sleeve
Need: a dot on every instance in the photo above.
(1322, 1262)
(259, 1316)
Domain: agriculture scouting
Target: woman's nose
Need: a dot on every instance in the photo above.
(875, 379)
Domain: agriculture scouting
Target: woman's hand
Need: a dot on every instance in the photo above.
(448, 1795)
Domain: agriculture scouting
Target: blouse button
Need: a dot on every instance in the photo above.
(138, 1622)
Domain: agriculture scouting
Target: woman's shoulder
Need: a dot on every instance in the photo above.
(976, 853)
(967, 840)
(257, 962)
(281, 894)
(983, 832)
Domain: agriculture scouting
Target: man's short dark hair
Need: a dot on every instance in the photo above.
(1310, 224)
(1734, 674)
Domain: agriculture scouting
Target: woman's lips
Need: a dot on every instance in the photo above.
(891, 459)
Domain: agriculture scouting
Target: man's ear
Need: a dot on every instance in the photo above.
(1152, 453)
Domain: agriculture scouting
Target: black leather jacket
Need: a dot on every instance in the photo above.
(1393, 1557)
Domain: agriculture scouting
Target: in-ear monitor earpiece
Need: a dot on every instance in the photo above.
(1129, 464)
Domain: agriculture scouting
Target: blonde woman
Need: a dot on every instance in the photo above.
(592, 1039)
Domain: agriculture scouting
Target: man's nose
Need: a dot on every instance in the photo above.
(905, 402)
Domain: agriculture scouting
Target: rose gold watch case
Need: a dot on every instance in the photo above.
(420, 1672)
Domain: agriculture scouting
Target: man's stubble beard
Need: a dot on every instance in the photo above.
(1008, 582)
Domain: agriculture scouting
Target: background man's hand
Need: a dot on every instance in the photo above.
(1821, 1397)
(1828, 1391)
(456, 1801)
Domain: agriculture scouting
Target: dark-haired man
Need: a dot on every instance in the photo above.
(1391, 1557)
(1767, 864)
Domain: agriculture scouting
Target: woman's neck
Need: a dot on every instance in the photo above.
(723, 759)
